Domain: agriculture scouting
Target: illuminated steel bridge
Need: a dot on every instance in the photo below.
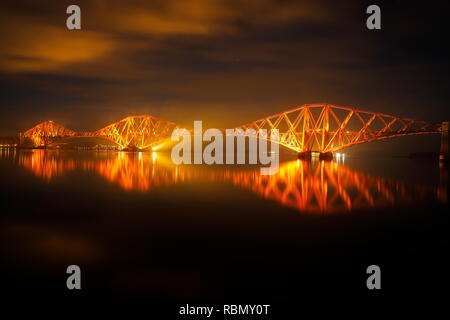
(326, 128)
(321, 128)
(140, 132)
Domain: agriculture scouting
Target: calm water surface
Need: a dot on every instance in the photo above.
(141, 226)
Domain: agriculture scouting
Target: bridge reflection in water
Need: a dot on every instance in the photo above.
(313, 187)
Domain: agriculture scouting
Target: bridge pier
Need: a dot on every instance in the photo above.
(327, 156)
(305, 155)
(444, 156)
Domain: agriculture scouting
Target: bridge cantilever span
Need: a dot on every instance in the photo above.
(326, 128)
(136, 132)
(48, 132)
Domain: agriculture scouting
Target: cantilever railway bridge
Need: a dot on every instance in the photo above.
(322, 128)
(139, 132)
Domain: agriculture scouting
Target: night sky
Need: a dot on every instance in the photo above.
(224, 62)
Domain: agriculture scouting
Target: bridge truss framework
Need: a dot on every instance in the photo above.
(328, 128)
(322, 128)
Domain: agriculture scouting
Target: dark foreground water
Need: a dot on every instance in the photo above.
(138, 226)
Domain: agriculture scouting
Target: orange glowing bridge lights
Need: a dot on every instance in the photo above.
(328, 128)
(322, 128)
(136, 132)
